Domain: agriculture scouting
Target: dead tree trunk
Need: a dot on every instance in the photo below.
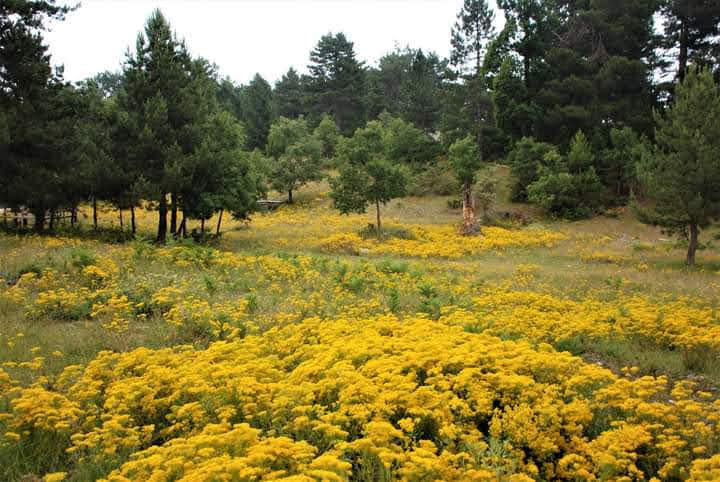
(469, 225)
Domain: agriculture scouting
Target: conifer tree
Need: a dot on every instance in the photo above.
(683, 174)
(257, 112)
(337, 82)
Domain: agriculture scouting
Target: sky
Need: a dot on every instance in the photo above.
(243, 37)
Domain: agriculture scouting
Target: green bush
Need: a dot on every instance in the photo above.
(436, 180)
(566, 195)
(568, 186)
(525, 160)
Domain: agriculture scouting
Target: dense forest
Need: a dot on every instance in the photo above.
(592, 104)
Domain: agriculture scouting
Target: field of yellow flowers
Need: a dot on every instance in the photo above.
(299, 349)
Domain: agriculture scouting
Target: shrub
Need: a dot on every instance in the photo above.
(525, 159)
(436, 180)
(568, 187)
(571, 196)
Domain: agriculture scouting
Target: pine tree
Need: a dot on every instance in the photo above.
(337, 84)
(257, 112)
(470, 37)
(683, 174)
(691, 28)
(168, 96)
(289, 96)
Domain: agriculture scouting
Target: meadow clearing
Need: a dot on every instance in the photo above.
(295, 348)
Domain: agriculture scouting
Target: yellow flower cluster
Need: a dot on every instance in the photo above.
(441, 242)
(412, 399)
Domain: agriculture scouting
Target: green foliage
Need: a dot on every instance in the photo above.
(580, 157)
(296, 155)
(465, 160)
(567, 195)
(485, 192)
(257, 112)
(328, 134)
(337, 82)
(366, 175)
(525, 160)
(568, 187)
(511, 113)
(436, 179)
(683, 173)
(617, 166)
(405, 143)
(374, 182)
(289, 96)
(474, 27)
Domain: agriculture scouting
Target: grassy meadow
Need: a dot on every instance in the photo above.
(298, 347)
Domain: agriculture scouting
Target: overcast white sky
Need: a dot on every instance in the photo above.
(247, 36)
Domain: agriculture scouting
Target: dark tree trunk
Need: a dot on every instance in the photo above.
(290, 199)
(52, 220)
(692, 245)
(121, 219)
(217, 231)
(73, 217)
(683, 55)
(202, 226)
(379, 226)
(95, 224)
(173, 213)
(39, 219)
(162, 219)
(183, 227)
(132, 219)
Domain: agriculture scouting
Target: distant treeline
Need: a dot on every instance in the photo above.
(565, 93)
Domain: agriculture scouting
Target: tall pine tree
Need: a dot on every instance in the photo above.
(337, 83)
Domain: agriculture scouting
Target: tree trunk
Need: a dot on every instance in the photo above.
(683, 55)
(73, 216)
(121, 219)
(52, 219)
(183, 227)
(132, 219)
(217, 231)
(379, 226)
(39, 219)
(692, 246)
(290, 199)
(468, 210)
(202, 226)
(95, 224)
(162, 219)
(173, 213)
